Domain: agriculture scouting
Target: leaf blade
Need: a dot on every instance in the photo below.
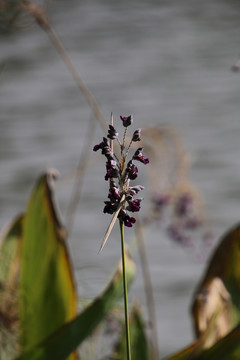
(47, 288)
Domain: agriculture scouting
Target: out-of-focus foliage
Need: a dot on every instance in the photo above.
(217, 296)
(227, 348)
(9, 12)
(216, 306)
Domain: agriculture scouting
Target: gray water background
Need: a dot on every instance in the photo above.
(162, 61)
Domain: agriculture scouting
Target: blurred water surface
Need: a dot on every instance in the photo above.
(162, 61)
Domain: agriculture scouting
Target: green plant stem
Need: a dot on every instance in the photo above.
(125, 293)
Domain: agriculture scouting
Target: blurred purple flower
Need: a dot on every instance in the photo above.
(192, 223)
(184, 205)
(177, 234)
(161, 200)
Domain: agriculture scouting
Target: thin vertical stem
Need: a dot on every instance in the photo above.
(81, 171)
(125, 293)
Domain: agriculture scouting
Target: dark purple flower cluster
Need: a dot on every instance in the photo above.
(116, 169)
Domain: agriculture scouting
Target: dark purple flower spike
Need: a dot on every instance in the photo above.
(120, 196)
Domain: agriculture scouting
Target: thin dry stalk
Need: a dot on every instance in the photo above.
(148, 289)
(79, 177)
(41, 19)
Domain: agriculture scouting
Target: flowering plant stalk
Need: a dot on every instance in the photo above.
(121, 199)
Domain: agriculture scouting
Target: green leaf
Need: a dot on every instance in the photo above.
(47, 290)
(139, 343)
(60, 344)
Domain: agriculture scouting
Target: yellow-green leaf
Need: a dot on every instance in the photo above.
(47, 290)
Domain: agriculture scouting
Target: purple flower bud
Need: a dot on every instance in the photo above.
(112, 171)
(112, 133)
(101, 145)
(139, 156)
(134, 205)
(110, 207)
(133, 190)
(127, 220)
(127, 120)
(136, 135)
(113, 194)
(131, 170)
(97, 147)
(106, 149)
